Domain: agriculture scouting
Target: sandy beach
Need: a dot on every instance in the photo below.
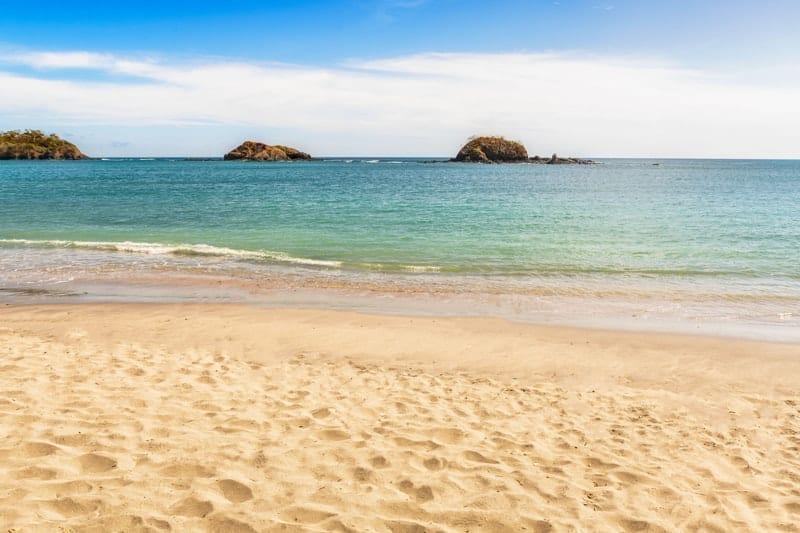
(140, 417)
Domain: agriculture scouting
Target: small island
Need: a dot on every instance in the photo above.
(257, 151)
(502, 150)
(35, 144)
(492, 150)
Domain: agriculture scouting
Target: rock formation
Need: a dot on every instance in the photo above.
(34, 144)
(256, 151)
(501, 150)
(492, 150)
(555, 160)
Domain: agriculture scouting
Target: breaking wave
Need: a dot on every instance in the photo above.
(207, 250)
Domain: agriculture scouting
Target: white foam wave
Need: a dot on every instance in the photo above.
(174, 249)
(420, 268)
(207, 250)
(384, 267)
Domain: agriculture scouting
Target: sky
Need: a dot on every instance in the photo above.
(684, 78)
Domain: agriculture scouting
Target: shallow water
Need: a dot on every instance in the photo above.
(687, 241)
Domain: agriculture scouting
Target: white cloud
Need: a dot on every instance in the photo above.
(423, 104)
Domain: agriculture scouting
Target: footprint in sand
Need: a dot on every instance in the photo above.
(186, 470)
(379, 461)
(362, 474)
(159, 524)
(479, 458)
(120, 523)
(68, 488)
(594, 462)
(399, 526)
(223, 524)
(448, 435)
(234, 491)
(422, 493)
(135, 371)
(320, 413)
(433, 463)
(35, 472)
(638, 525)
(333, 434)
(38, 449)
(427, 445)
(627, 477)
(192, 507)
(95, 463)
(68, 507)
(792, 507)
(304, 515)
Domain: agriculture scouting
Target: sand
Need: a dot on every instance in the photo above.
(164, 417)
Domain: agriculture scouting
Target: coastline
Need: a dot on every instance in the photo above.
(624, 245)
(397, 349)
(571, 303)
(238, 418)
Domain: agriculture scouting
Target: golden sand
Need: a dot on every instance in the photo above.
(231, 418)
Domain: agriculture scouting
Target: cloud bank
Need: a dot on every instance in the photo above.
(417, 105)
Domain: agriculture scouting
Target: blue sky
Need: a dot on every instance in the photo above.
(79, 68)
(320, 32)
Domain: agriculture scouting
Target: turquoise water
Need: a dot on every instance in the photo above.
(686, 230)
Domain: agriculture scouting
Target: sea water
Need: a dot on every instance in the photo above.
(661, 244)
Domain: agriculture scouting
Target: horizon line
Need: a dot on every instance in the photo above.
(420, 157)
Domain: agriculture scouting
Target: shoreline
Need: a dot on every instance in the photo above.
(240, 418)
(696, 246)
(424, 295)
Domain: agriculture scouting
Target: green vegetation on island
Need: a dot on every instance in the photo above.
(35, 144)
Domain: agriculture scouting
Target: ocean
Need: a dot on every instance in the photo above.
(706, 246)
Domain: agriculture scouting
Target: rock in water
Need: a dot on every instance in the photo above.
(35, 144)
(492, 150)
(256, 151)
(555, 160)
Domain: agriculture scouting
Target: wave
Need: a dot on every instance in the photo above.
(393, 267)
(207, 250)
(149, 248)
(511, 272)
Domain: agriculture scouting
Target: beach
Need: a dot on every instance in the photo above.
(228, 417)
(400, 266)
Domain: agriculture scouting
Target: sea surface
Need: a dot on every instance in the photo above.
(707, 246)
